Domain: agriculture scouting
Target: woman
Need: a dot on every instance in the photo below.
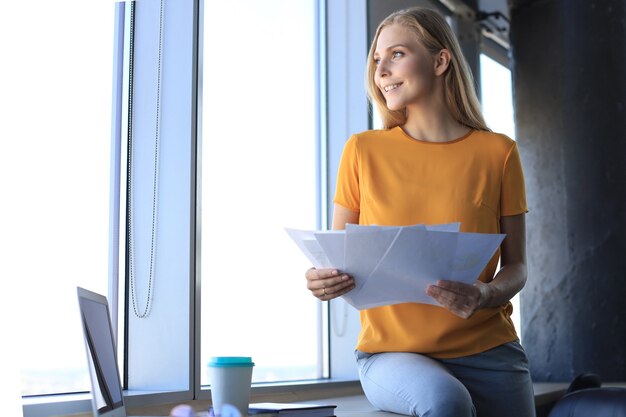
(435, 162)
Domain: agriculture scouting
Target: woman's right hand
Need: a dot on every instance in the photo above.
(328, 283)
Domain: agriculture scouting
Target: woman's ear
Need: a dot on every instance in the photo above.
(442, 61)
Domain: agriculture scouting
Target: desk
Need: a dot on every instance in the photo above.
(351, 402)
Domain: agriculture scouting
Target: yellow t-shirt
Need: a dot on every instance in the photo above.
(392, 179)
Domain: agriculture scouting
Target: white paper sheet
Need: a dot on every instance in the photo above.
(333, 243)
(392, 265)
(308, 244)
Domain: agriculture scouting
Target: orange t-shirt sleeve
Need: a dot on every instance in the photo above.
(347, 192)
(513, 193)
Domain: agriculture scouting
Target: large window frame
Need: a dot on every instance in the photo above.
(342, 108)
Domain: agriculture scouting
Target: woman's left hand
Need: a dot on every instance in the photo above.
(461, 299)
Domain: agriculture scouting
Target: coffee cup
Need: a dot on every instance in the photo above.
(230, 378)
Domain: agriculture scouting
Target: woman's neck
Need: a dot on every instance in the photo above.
(432, 122)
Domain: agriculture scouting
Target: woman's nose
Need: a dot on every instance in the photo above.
(382, 69)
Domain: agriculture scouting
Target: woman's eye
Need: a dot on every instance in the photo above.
(397, 54)
(376, 61)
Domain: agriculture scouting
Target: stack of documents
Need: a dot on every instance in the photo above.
(395, 264)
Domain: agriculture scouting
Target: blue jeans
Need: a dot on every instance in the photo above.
(495, 383)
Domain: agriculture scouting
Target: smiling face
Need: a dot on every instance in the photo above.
(405, 71)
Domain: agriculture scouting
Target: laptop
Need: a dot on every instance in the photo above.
(107, 398)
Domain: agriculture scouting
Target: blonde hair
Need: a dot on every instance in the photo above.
(434, 34)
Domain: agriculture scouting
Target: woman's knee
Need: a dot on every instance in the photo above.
(451, 404)
(423, 403)
(413, 385)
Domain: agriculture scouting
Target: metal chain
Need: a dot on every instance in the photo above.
(155, 180)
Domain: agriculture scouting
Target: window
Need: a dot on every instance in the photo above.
(56, 170)
(497, 106)
(60, 170)
(258, 177)
(497, 98)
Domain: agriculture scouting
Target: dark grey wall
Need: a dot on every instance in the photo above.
(569, 82)
(377, 10)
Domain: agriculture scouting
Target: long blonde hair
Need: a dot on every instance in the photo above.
(435, 34)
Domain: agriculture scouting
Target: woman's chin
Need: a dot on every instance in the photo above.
(395, 106)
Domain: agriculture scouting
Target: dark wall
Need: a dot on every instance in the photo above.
(378, 10)
(569, 85)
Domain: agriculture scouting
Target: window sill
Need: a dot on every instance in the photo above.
(69, 404)
(301, 390)
(144, 401)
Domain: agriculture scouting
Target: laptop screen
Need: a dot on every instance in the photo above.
(107, 395)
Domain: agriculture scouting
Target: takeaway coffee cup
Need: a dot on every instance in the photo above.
(231, 377)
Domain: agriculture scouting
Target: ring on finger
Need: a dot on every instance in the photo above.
(324, 292)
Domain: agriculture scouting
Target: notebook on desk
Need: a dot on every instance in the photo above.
(106, 389)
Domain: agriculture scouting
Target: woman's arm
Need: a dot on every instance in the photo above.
(463, 299)
(330, 283)
(342, 215)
